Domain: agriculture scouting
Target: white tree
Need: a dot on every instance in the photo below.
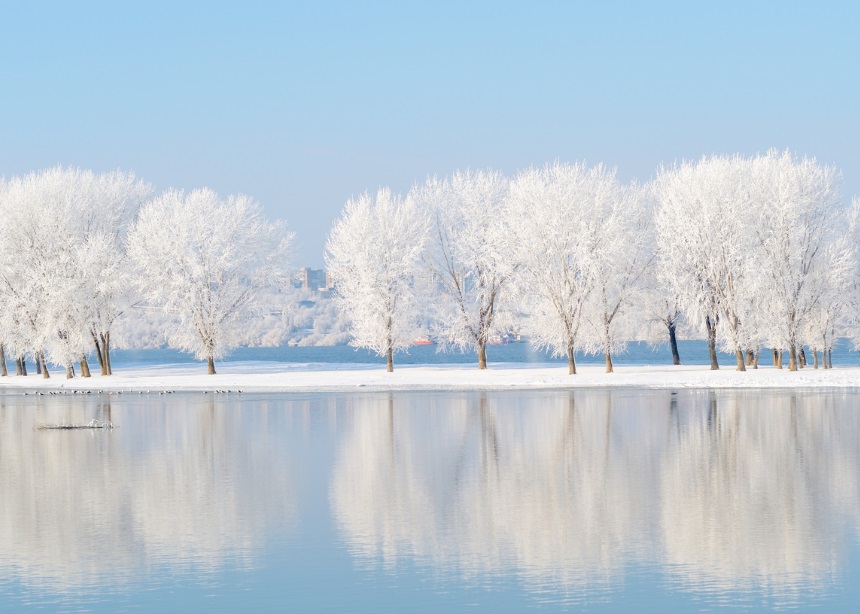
(555, 216)
(103, 228)
(373, 255)
(40, 275)
(801, 213)
(62, 260)
(618, 264)
(704, 244)
(661, 310)
(467, 256)
(202, 259)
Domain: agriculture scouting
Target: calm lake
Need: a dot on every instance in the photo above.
(596, 500)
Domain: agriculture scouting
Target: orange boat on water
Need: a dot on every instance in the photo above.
(424, 341)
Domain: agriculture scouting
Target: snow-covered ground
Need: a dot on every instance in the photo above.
(280, 377)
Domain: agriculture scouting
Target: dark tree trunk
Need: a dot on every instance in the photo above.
(571, 361)
(814, 358)
(802, 357)
(750, 357)
(38, 364)
(41, 361)
(70, 371)
(712, 342)
(482, 355)
(775, 357)
(673, 344)
(99, 356)
(792, 357)
(85, 367)
(106, 350)
(210, 364)
(830, 359)
(740, 358)
(755, 359)
(3, 372)
(608, 362)
(390, 360)
(779, 360)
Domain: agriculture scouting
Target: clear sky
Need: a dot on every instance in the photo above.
(302, 105)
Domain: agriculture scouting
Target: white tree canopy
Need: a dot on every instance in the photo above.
(203, 259)
(468, 256)
(556, 216)
(373, 255)
(705, 242)
(801, 219)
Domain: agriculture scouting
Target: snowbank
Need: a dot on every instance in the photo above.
(281, 377)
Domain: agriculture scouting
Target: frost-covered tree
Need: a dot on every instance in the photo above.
(555, 218)
(618, 264)
(468, 256)
(202, 259)
(704, 241)
(103, 229)
(661, 312)
(800, 215)
(62, 261)
(373, 254)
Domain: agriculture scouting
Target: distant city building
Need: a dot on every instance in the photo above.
(312, 279)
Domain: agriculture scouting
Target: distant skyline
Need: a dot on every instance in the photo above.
(303, 105)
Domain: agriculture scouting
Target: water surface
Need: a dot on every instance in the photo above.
(595, 500)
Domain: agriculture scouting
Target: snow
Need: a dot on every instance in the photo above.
(255, 376)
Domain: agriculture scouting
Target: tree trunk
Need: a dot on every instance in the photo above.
(38, 364)
(830, 358)
(814, 358)
(779, 359)
(106, 350)
(802, 357)
(3, 372)
(85, 367)
(44, 365)
(750, 357)
(19, 367)
(571, 361)
(775, 357)
(755, 359)
(99, 356)
(390, 360)
(482, 355)
(210, 364)
(740, 358)
(712, 342)
(70, 371)
(673, 343)
(608, 362)
(792, 357)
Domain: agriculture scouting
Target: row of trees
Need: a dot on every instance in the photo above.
(79, 250)
(749, 252)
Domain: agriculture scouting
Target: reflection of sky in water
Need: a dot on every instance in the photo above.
(610, 499)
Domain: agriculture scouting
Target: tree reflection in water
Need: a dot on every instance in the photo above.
(729, 492)
(181, 486)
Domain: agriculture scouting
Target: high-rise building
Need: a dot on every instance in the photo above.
(313, 279)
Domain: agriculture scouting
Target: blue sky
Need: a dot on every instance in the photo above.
(302, 105)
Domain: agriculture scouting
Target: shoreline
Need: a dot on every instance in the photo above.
(257, 377)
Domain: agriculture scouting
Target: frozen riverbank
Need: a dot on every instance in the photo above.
(279, 377)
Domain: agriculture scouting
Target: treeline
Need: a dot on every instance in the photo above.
(79, 250)
(753, 253)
